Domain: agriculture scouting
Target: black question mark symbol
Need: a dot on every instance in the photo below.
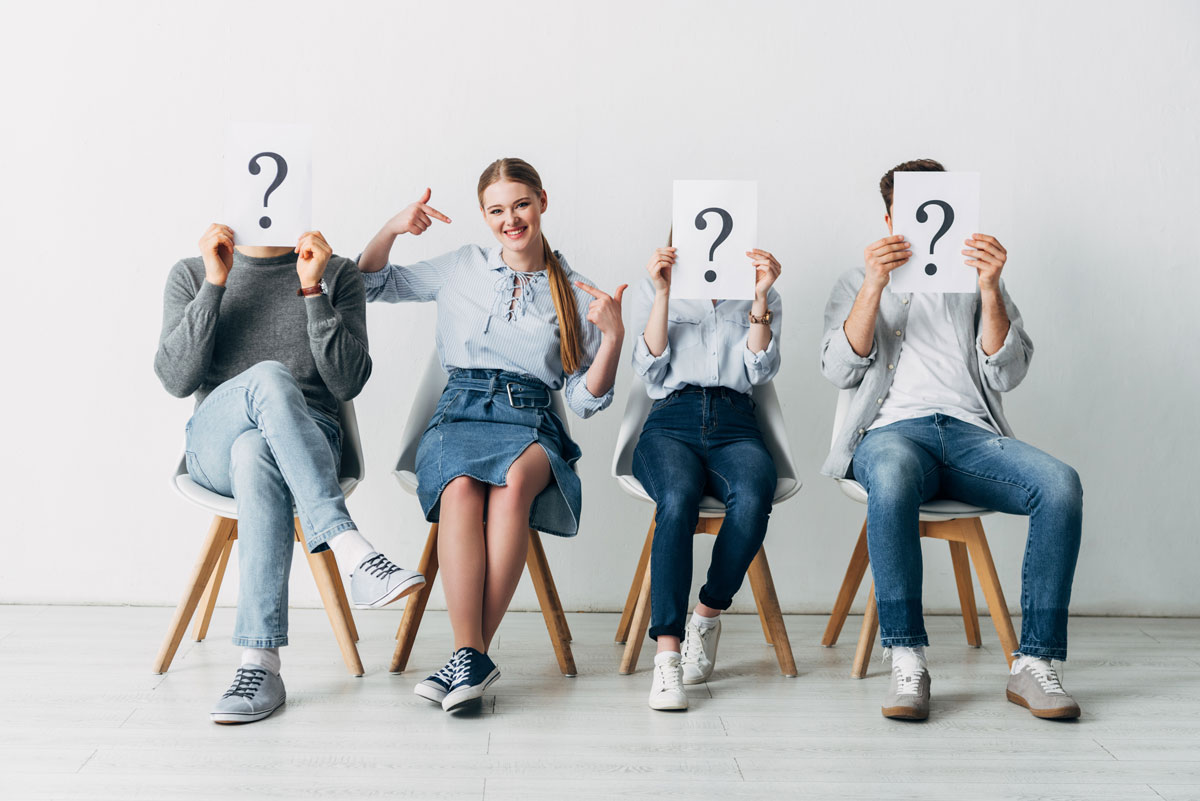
(280, 174)
(726, 229)
(947, 221)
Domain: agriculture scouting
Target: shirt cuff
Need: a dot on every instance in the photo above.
(376, 279)
(841, 352)
(644, 361)
(1007, 352)
(585, 404)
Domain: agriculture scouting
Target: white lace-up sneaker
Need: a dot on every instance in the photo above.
(666, 691)
(699, 651)
(1034, 684)
(908, 695)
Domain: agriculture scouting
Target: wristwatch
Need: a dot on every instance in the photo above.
(765, 319)
(322, 289)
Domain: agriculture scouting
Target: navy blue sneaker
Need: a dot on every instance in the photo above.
(473, 673)
(436, 686)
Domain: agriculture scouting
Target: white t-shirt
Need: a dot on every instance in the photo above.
(931, 376)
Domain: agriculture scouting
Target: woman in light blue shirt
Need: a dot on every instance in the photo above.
(514, 323)
(700, 360)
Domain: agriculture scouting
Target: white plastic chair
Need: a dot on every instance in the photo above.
(433, 381)
(206, 577)
(635, 619)
(943, 519)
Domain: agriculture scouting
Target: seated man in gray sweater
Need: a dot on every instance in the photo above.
(927, 422)
(270, 340)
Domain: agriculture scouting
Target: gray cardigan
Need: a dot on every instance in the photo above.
(872, 374)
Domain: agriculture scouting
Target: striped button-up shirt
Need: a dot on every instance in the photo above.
(481, 325)
(706, 345)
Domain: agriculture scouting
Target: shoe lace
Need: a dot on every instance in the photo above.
(1044, 672)
(246, 682)
(908, 671)
(668, 676)
(693, 644)
(379, 566)
(446, 671)
(461, 665)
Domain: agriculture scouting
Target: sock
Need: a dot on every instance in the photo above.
(661, 658)
(263, 657)
(905, 652)
(1024, 659)
(349, 549)
(701, 622)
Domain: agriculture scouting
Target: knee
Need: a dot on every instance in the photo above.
(1062, 488)
(463, 490)
(894, 481)
(273, 375)
(675, 502)
(751, 500)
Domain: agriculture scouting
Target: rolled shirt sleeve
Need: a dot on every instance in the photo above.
(762, 366)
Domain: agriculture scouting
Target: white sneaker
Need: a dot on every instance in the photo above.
(699, 652)
(666, 692)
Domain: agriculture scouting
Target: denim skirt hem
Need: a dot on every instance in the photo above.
(480, 435)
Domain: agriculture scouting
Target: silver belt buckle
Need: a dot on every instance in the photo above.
(508, 388)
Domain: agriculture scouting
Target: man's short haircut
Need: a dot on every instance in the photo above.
(916, 165)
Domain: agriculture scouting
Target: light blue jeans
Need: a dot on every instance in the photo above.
(255, 439)
(904, 464)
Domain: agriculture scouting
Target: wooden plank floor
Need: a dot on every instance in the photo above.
(82, 717)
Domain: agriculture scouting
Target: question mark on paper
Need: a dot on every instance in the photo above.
(726, 229)
(280, 174)
(947, 221)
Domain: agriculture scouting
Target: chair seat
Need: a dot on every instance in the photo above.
(931, 511)
(227, 507)
(709, 506)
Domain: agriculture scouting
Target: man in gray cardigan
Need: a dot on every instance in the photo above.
(270, 341)
(927, 422)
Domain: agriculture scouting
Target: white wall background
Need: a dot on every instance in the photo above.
(1082, 117)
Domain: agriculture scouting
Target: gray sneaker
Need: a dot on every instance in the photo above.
(377, 582)
(255, 693)
(1035, 686)
(908, 695)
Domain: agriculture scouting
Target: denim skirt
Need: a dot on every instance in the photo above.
(484, 420)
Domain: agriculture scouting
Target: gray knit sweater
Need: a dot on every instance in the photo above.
(211, 333)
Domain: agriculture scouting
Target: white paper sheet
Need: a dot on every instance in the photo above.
(714, 223)
(937, 263)
(260, 208)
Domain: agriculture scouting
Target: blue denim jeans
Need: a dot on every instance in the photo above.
(256, 440)
(699, 442)
(904, 464)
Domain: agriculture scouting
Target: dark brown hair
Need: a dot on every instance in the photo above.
(569, 348)
(916, 165)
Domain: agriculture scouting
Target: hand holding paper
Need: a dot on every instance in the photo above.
(216, 248)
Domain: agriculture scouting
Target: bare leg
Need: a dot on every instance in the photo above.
(462, 558)
(507, 534)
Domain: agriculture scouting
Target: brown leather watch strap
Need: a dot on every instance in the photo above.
(309, 291)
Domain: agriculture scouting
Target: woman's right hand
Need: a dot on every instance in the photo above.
(660, 269)
(216, 246)
(415, 218)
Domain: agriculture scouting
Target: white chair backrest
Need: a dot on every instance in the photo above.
(429, 391)
(845, 398)
(770, 422)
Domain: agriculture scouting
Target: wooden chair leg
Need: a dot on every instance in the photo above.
(209, 599)
(866, 637)
(344, 601)
(855, 571)
(325, 572)
(635, 587)
(414, 607)
(989, 582)
(218, 535)
(966, 592)
(770, 613)
(539, 572)
(638, 626)
(560, 617)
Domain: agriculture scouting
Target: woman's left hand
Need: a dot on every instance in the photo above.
(766, 270)
(605, 311)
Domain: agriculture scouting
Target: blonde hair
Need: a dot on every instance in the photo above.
(569, 347)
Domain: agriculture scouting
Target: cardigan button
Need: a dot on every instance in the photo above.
(898, 332)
